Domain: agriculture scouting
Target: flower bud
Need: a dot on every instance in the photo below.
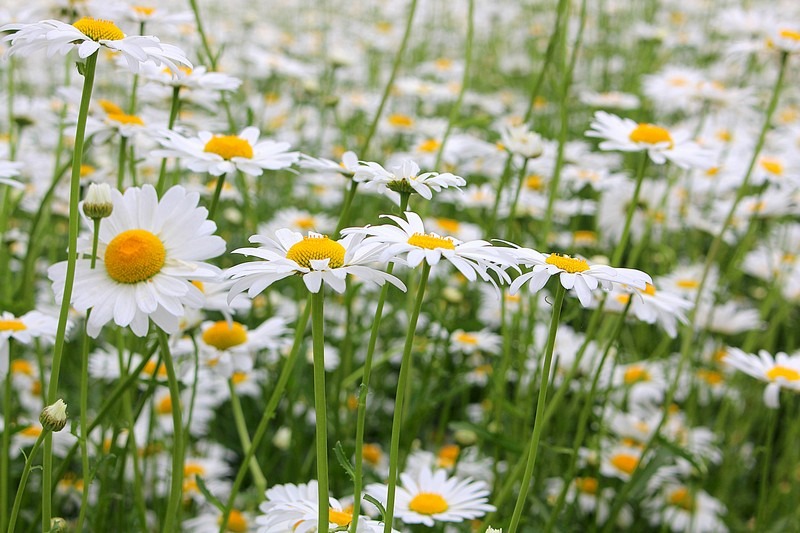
(98, 201)
(54, 417)
(283, 438)
(58, 525)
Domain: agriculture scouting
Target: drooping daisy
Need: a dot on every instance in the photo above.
(405, 178)
(8, 170)
(780, 371)
(221, 154)
(653, 306)
(520, 140)
(408, 242)
(432, 497)
(23, 329)
(149, 250)
(315, 257)
(88, 35)
(660, 143)
(574, 273)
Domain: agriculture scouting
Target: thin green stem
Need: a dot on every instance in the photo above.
(176, 489)
(66, 298)
(23, 482)
(6, 439)
(217, 192)
(767, 460)
(538, 424)
(244, 438)
(269, 412)
(320, 405)
(212, 60)
(402, 385)
(174, 107)
(619, 251)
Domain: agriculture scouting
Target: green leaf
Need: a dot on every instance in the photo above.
(210, 498)
(344, 461)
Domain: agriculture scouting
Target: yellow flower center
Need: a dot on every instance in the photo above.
(86, 170)
(650, 134)
(134, 255)
(783, 372)
(151, 369)
(709, 376)
(239, 377)
(534, 182)
(587, 485)
(31, 432)
(448, 224)
(317, 248)
(372, 453)
(229, 146)
(448, 455)
(467, 338)
(429, 146)
(636, 374)
(144, 10)
(431, 241)
(200, 285)
(99, 30)
(771, 165)
(20, 366)
(681, 498)
(237, 523)
(401, 121)
(649, 290)
(305, 223)
(687, 283)
(110, 107)
(625, 462)
(164, 406)
(790, 34)
(428, 503)
(572, 265)
(340, 518)
(123, 118)
(12, 325)
(222, 335)
(193, 469)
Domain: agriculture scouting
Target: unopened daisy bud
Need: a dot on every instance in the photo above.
(58, 525)
(283, 438)
(98, 203)
(493, 530)
(54, 417)
(465, 437)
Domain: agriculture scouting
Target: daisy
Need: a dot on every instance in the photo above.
(88, 35)
(315, 257)
(24, 329)
(8, 170)
(574, 273)
(348, 165)
(653, 306)
(405, 178)
(294, 508)
(432, 497)
(779, 371)
(519, 140)
(197, 78)
(148, 251)
(408, 242)
(469, 342)
(210, 520)
(661, 145)
(221, 154)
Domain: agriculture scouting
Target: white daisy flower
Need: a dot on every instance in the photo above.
(221, 154)
(661, 145)
(192, 78)
(23, 329)
(347, 166)
(520, 140)
(88, 35)
(432, 497)
(294, 508)
(8, 170)
(315, 257)
(408, 242)
(574, 273)
(148, 251)
(210, 520)
(779, 371)
(786, 38)
(652, 306)
(405, 178)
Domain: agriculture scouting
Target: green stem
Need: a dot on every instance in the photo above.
(513, 213)
(203, 38)
(24, 481)
(174, 107)
(454, 111)
(269, 412)
(6, 439)
(348, 202)
(767, 460)
(402, 385)
(123, 151)
(66, 299)
(619, 251)
(320, 405)
(244, 438)
(176, 489)
(217, 193)
(538, 424)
